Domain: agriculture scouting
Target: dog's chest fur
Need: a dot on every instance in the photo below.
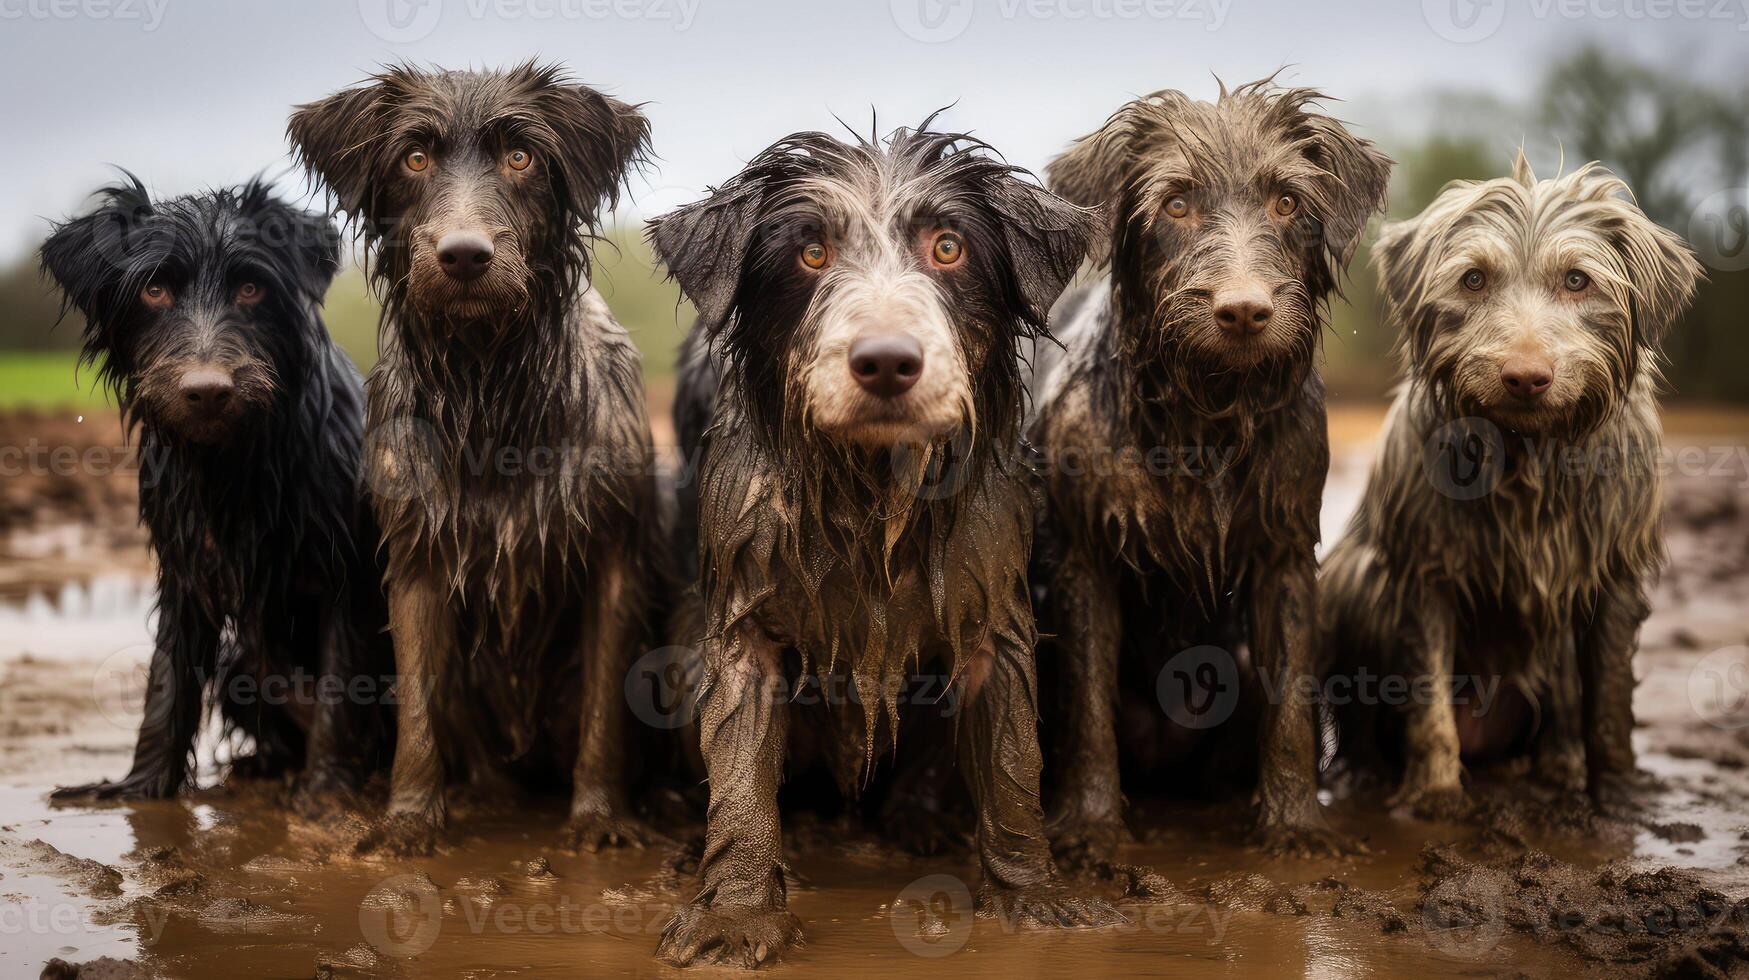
(504, 470)
(874, 588)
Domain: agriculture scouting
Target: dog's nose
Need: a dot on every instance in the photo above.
(887, 364)
(206, 390)
(464, 255)
(1527, 377)
(1244, 311)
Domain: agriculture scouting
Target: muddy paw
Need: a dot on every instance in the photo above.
(1080, 841)
(401, 835)
(593, 831)
(1048, 906)
(147, 787)
(1438, 803)
(1308, 840)
(746, 938)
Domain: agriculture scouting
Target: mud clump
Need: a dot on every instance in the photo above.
(1664, 921)
(103, 968)
(96, 878)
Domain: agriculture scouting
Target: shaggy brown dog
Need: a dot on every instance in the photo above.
(509, 445)
(1511, 521)
(861, 511)
(1184, 451)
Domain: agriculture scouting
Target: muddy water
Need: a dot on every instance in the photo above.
(227, 883)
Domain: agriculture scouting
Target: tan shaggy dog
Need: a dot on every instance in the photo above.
(1511, 521)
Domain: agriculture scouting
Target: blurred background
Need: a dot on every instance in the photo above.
(192, 93)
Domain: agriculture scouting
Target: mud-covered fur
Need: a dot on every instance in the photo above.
(844, 533)
(1253, 202)
(1502, 537)
(202, 316)
(509, 449)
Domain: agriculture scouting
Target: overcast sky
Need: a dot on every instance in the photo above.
(191, 93)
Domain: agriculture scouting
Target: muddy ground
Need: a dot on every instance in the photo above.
(228, 883)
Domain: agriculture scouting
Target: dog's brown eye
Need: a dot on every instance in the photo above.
(1474, 280)
(815, 256)
(248, 293)
(1576, 281)
(1177, 206)
(519, 159)
(948, 249)
(1286, 204)
(418, 161)
(157, 296)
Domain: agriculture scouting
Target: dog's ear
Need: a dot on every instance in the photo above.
(1662, 270)
(1360, 175)
(1096, 170)
(335, 138)
(1392, 257)
(90, 257)
(704, 245)
(600, 138)
(1046, 239)
(306, 239)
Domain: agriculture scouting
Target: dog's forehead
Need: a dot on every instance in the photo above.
(1546, 223)
(1238, 143)
(460, 105)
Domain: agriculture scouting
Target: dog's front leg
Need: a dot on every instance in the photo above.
(1559, 748)
(1283, 616)
(333, 746)
(600, 814)
(424, 636)
(1088, 818)
(1607, 643)
(741, 915)
(1432, 784)
(1000, 760)
(182, 664)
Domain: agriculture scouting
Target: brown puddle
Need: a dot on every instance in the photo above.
(230, 883)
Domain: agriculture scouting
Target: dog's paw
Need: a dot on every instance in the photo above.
(135, 787)
(1080, 841)
(1309, 840)
(1435, 803)
(740, 937)
(401, 835)
(593, 831)
(1053, 905)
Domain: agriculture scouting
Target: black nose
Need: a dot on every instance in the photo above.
(464, 255)
(206, 390)
(887, 364)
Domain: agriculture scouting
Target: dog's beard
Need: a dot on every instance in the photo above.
(503, 290)
(154, 399)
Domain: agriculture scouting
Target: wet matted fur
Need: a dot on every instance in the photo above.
(1183, 448)
(202, 314)
(509, 456)
(847, 532)
(1503, 536)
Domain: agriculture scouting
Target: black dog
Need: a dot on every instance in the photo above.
(862, 511)
(1184, 451)
(509, 463)
(202, 314)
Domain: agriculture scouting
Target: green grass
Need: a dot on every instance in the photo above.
(45, 379)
